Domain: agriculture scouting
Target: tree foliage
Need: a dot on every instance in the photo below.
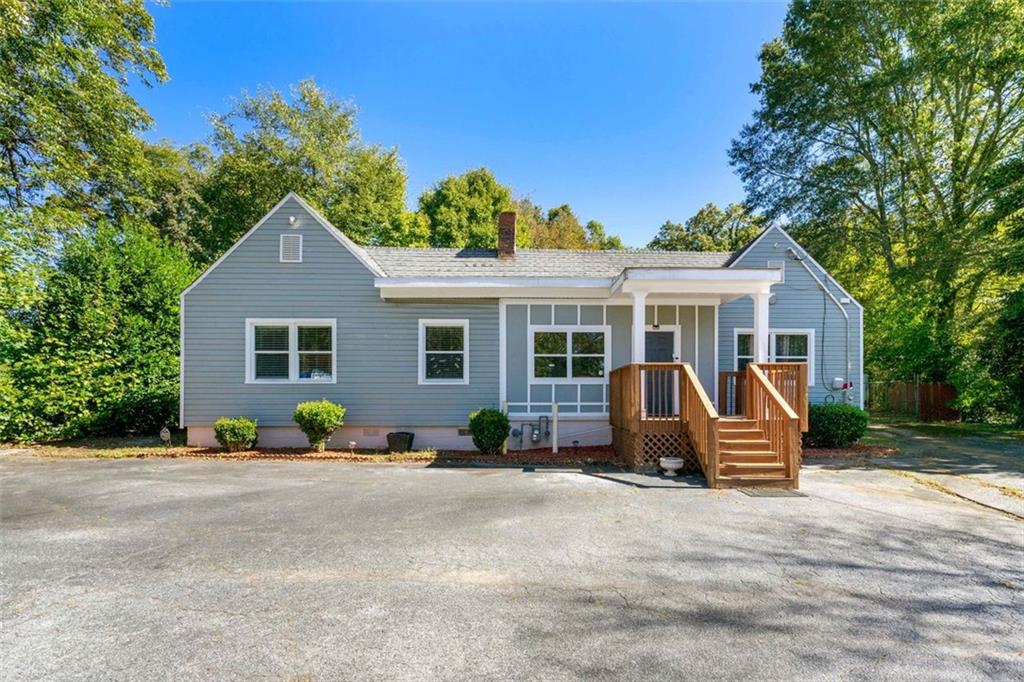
(599, 240)
(268, 144)
(1003, 346)
(66, 120)
(710, 229)
(462, 210)
(103, 332)
(889, 135)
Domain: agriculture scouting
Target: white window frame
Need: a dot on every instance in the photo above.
(568, 329)
(422, 352)
(812, 349)
(280, 248)
(293, 325)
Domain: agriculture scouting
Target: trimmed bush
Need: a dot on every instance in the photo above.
(489, 429)
(834, 426)
(319, 420)
(235, 433)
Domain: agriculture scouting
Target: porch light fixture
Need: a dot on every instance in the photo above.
(291, 221)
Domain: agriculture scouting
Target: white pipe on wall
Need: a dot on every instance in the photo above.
(554, 428)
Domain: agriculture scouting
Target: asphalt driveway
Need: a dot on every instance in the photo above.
(160, 569)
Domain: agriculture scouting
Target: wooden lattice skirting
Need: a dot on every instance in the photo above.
(641, 451)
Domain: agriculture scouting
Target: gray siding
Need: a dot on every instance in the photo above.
(377, 340)
(799, 304)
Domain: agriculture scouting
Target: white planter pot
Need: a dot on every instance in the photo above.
(671, 465)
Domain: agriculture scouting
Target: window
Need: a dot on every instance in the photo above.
(784, 345)
(577, 353)
(290, 351)
(291, 248)
(444, 352)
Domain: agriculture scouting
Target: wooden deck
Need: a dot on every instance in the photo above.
(661, 409)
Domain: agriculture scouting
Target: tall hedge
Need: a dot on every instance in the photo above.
(99, 353)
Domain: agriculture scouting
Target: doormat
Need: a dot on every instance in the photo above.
(771, 492)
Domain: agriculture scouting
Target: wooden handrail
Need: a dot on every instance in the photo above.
(776, 419)
(790, 379)
(731, 392)
(666, 397)
(701, 420)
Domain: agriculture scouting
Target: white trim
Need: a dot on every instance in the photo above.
(490, 282)
(293, 349)
(181, 360)
(638, 318)
(503, 352)
(812, 348)
(696, 340)
(280, 250)
(804, 253)
(355, 250)
(568, 329)
(562, 417)
(717, 367)
(863, 388)
(422, 352)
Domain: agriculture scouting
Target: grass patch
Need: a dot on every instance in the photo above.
(110, 448)
(878, 438)
(953, 428)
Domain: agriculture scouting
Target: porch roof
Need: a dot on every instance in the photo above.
(708, 282)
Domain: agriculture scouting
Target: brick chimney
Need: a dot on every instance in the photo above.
(507, 234)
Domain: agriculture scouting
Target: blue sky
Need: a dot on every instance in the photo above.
(623, 111)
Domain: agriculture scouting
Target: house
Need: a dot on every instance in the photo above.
(416, 339)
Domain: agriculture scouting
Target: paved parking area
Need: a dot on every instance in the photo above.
(160, 569)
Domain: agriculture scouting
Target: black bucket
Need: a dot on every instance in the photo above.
(400, 441)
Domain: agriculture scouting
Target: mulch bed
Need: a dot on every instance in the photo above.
(852, 452)
(567, 457)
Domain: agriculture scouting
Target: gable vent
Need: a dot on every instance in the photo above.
(291, 248)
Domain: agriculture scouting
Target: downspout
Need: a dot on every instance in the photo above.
(846, 316)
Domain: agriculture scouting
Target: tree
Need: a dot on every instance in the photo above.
(66, 118)
(462, 210)
(100, 349)
(710, 229)
(561, 230)
(879, 133)
(1004, 348)
(599, 240)
(268, 145)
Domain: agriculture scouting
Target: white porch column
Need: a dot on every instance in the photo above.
(639, 324)
(761, 326)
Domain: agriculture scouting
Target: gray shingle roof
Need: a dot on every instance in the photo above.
(406, 262)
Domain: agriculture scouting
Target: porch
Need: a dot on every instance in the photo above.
(660, 409)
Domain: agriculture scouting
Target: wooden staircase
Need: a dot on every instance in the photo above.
(746, 458)
(660, 408)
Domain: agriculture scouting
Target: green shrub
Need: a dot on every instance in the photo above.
(235, 433)
(489, 429)
(319, 420)
(834, 426)
(141, 411)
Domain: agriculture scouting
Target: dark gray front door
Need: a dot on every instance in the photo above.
(660, 347)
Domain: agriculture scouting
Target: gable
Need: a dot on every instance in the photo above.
(771, 246)
(302, 217)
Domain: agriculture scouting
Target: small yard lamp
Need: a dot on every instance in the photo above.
(165, 436)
